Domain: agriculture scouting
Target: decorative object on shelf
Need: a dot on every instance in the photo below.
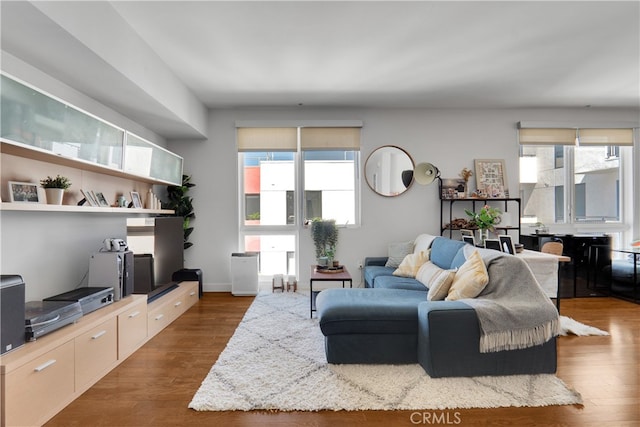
(135, 200)
(182, 205)
(89, 198)
(425, 173)
(54, 188)
(26, 192)
(491, 177)
(465, 174)
(541, 228)
(324, 233)
(122, 201)
(451, 188)
(152, 200)
(485, 220)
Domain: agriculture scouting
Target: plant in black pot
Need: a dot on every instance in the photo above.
(54, 188)
(325, 238)
(182, 205)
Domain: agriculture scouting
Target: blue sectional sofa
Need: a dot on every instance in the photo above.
(390, 321)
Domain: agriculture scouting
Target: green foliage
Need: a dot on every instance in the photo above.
(253, 216)
(57, 182)
(325, 237)
(486, 218)
(182, 205)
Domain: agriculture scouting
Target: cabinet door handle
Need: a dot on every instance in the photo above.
(134, 314)
(177, 303)
(98, 335)
(45, 365)
(192, 293)
(159, 316)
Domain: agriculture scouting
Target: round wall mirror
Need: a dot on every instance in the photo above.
(389, 170)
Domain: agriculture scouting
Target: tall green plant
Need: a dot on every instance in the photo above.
(325, 237)
(182, 205)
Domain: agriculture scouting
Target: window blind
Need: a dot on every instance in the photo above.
(547, 136)
(330, 138)
(605, 136)
(267, 139)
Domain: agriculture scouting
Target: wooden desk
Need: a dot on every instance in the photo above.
(317, 276)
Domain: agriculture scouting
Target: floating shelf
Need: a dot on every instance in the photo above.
(41, 207)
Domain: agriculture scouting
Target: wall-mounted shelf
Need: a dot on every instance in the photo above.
(473, 201)
(41, 207)
(34, 153)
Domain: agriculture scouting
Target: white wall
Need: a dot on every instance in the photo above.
(450, 139)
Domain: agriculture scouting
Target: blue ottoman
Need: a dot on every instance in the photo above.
(370, 325)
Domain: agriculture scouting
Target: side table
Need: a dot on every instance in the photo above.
(318, 276)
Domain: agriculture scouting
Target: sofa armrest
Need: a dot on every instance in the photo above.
(380, 260)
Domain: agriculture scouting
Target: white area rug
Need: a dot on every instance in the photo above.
(275, 361)
(570, 326)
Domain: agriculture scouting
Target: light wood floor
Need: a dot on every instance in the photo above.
(154, 386)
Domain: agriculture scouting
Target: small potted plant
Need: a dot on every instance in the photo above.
(54, 188)
(325, 238)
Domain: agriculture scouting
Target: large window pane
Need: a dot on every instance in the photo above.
(269, 184)
(593, 176)
(596, 178)
(277, 252)
(329, 185)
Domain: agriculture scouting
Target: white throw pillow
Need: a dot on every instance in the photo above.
(470, 279)
(397, 252)
(411, 264)
(423, 242)
(437, 279)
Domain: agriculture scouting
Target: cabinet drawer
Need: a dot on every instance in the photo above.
(159, 318)
(40, 388)
(96, 352)
(132, 329)
(191, 295)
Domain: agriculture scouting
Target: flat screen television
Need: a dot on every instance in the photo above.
(158, 249)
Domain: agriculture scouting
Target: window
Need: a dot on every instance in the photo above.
(289, 176)
(578, 178)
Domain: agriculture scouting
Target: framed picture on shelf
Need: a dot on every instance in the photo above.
(491, 177)
(469, 239)
(23, 192)
(507, 244)
(452, 188)
(492, 244)
(136, 200)
(89, 198)
(102, 201)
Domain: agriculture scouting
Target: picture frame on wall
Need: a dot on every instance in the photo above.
(491, 177)
(136, 200)
(23, 192)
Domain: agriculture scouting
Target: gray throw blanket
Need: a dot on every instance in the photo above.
(513, 310)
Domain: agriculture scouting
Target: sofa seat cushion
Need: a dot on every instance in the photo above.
(398, 282)
(368, 311)
(371, 272)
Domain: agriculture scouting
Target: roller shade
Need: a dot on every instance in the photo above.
(547, 136)
(267, 139)
(326, 138)
(605, 136)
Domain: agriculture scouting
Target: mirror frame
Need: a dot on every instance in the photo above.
(371, 158)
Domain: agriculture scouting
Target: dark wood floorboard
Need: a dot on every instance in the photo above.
(154, 386)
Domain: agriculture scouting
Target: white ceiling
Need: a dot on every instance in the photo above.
(346, 54)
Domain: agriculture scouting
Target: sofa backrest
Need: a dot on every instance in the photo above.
(444, 251)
